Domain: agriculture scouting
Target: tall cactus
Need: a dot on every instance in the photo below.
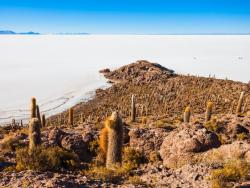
(208, 113)
(71, 115)
(38, 113)
(33, 108)
(187, 114)
(240, 102)
(43, 121)
(115, 138)
(133, 109)
(34, 134)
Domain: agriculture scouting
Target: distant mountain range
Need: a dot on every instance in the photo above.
(8, 32)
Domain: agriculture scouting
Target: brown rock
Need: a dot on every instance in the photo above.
(104, 71)
(237, 149)
(75, 144)
(181, 145)
(147, 140)
(55, 136)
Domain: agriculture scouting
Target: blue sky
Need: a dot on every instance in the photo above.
(126, 16)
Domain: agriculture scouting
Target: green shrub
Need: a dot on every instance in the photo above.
(45, 159)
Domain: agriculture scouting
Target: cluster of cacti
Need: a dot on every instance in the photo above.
(208, 113)
(187, 114)
(111, 138)
(133, 109)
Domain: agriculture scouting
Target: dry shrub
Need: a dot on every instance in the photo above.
(135, 180)
(45, 159)
(241, 136)
(154, 157)
(212, 125)
(107, 175)
(131, 160)
(144, 120)
(232, 171)
(10, 143)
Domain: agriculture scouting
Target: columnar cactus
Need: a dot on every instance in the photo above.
(34, 134)
(187, 114)
(244, 107)
(232, 107)
(38, 113)
(133, 109)
(43, 121)
(13, 122)
(71, 114)
(33, 107)
(115, 138)
(82, 118)
(208, 113)
(240, 102)
(61, 119)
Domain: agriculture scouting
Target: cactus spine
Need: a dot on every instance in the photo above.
(71, 114)
(240, 102)
(208, 113)
(115, 139)
(43, 121)
(133, 109)
(33, 107)
(34, 133)
(187, 114)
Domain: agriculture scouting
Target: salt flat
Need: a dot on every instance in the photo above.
(62, 70)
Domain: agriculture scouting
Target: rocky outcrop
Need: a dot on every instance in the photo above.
(147, 140)
(181, 145)
(140, 72)
(55, 136)
(188, 176)
(236, 150)
(42, 179)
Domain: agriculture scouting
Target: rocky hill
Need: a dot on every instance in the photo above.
(167, 145)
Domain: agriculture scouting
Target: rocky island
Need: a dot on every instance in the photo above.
(150, 128)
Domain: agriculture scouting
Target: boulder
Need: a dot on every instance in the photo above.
(147, 140)
(104, 71)
(55, 136)
(235, 150)
(181, 145)
(75, 143)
